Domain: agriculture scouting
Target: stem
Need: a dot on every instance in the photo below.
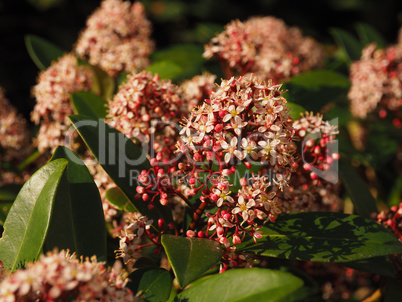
(198, 214)
(178, 193)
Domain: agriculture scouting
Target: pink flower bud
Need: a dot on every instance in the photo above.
(145, 197)
(236, 239)
(140, 190)
(160, 222)
(190, 233)
(163, 201)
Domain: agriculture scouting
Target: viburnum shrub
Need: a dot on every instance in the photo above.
(149, 176)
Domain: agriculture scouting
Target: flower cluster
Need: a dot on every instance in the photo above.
(244, 124)
(134, 234)
(52, 94)
(148, 109)
(13, 129)
(376, 84)
(392, 219)
(314, 185)
(116, 37)
(14, 141)
(266, 47)
(197, 89)
(59, 276)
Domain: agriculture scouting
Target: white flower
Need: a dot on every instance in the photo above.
(231, 149)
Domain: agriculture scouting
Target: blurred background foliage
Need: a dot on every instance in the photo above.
(174, 22)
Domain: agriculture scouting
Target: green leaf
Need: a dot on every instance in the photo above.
(77, 222)
(254, 284)
(41, 51)
(118, 199)
(357, 189)
(395, 195)
(323, 237)
(295, 110)
(187, 56)
(165, 69)
(121, 159)
(314, 89)
(368, 34)
(103, 84)
(383, 266)
(191, 257)
(28, 221)
(155, 283)
(90, 104)
(350, 46)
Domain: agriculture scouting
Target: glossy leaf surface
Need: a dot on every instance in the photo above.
(245, 285)
(191, 257)
(118, 199)
(28, 221)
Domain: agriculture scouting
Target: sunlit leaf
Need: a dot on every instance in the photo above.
(323, 237)
(295, 110)
(118, 199)
(28, 221)
(165, 69)
(254, 284)
(191, 257)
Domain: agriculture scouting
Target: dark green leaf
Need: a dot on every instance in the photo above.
(357, 189)
(28, 221)
(77, 222)
(315, 89)
(350, 46)
(89, 104)
(42, 52)
(6, 195)
(121, 159)
(155, 283)
(395, 196)
(118, 199)
(383, 266)
(323, 237)
(254, 284)
(369, 34)
(29, 160)
(165, 69)
(191, 257)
